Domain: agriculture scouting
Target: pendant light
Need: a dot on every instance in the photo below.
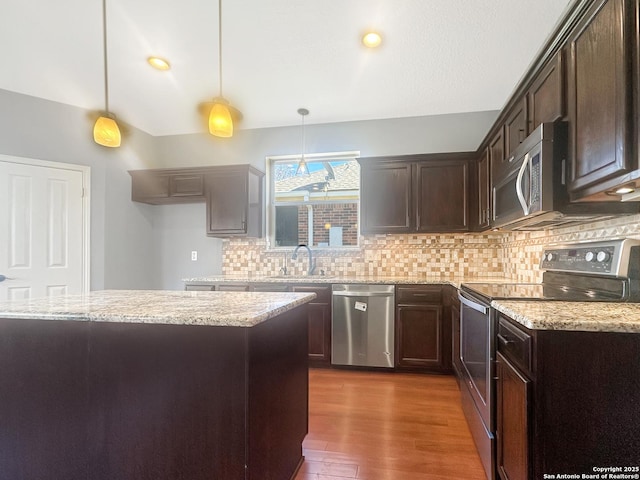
(220, 121)
(105, 130)
(302, 169)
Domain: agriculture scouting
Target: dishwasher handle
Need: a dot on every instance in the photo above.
(471, 304)
(363, 294)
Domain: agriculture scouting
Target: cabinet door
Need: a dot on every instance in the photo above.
(599, 95)
(442, 196)
(227, 203)
(512, 433)
(419, 333)
(319, 312)
(455, 339)
(546, 95)
(149, 187)
(515, 127)
(186, 185)
(386, 198)
(497, 155)
(484, 191)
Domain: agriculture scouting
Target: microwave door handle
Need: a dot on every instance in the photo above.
(521, 199)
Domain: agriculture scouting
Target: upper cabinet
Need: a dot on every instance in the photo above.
(599, 91)
(167, 186)
(386, 196)
(483, 178)
(415, 193)
(545, 97)
(442, 195)
(587, 74)
(234, 201)
(233, 195)
(515, 127)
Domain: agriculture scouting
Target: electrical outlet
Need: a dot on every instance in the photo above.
(194, 255)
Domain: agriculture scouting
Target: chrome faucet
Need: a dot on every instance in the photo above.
(312, 265)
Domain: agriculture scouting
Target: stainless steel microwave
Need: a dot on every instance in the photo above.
(531, 192)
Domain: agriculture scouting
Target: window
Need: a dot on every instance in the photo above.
(318, 209)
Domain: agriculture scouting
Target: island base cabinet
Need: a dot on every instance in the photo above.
(105, 401)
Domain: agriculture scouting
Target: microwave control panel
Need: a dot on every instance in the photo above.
(612, 258)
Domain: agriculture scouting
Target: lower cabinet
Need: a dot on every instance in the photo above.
(423, 333)
(567, 401)
(512, 435)
(319, 311)
(456, 362)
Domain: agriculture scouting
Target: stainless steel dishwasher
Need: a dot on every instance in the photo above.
(362, 325)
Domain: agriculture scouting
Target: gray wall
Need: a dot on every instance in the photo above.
(181, 228)
(123, 248)
(141, 246)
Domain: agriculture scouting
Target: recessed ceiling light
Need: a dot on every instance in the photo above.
(372, 39)
(623, 190)
(158, 63)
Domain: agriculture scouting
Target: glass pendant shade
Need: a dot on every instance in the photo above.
(220, 122)
(302, 168)
(106, 132)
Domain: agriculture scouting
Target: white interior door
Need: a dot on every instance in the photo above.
(43, 229)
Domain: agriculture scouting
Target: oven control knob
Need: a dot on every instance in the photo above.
(590, 256)
(550, 257)
(603, 256)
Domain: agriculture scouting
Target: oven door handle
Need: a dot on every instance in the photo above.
(475, 306)
(523, 202)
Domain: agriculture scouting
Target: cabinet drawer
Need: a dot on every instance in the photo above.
(418, 294)
(514, 344)
(231, 287)
(199, 288)
(269, 287)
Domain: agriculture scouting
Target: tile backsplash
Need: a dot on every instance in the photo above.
(512, 255)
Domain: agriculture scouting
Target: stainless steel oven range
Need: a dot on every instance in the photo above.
(605, 271)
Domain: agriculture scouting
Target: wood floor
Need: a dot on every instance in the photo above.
(386, 426)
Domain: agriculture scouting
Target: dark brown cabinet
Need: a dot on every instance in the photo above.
(423, 337)
(456, 361)
(442, 196)
(483, 178)
(546, 101)
(600, 98)
(566, 400)
(233, 195)
(166, 186)
(386, 196)
(497, 154)
(415, 193)
(512, 435)
(319, 311)
(515, 127)
(234, 202)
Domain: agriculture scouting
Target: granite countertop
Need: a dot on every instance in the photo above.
(236, 309)
(444, 278)
(578, 316)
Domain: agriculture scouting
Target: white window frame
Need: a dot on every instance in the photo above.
(270, 210)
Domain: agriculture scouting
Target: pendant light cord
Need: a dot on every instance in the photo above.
(220, 43)
(303, 138)
(104, 51)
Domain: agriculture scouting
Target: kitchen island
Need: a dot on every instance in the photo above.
(154, 385)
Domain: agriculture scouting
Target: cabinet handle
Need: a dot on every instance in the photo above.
(505, 340)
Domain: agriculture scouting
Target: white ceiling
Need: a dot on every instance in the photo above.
(438, 56)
